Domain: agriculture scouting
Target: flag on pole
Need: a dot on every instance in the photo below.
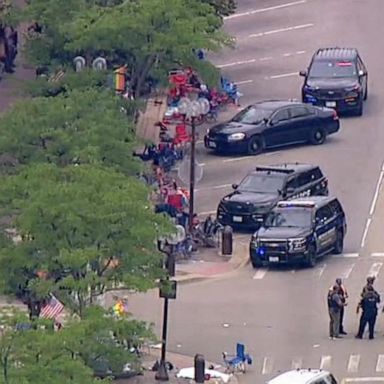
(52, 308)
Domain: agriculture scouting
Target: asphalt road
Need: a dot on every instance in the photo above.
(281, 314)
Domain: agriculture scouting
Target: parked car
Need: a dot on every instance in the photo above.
(299, 231)
(336, 78)
(304, 376)
(261, 189)
(269, 124)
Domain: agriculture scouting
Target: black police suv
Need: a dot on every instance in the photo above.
(336, 78)
(299, 230)
(271, 124)
(250, 202)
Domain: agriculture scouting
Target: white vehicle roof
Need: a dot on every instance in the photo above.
(299, 376)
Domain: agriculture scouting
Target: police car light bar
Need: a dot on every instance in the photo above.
(305, 204)
(276, 170)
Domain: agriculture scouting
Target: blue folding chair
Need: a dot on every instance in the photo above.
(237, 362)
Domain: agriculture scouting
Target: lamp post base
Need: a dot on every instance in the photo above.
(162, 374)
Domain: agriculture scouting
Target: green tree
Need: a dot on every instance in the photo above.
(87, 229)
(80, 127)
(223, 7)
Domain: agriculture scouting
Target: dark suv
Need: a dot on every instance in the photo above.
(336, 78)
(260, 190)
(299, 230)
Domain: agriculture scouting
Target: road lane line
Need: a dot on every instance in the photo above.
(347, 272)
(243, 82)
(380, 363)
(365, 234)
(319, 270)
(347, 255)
(238, 159)
(377, 254)
(376, 194)
(287, 54)
(267, 366)
(261, 10)
(325, 362)
(281, 30)
(353, 363)
(272, 153)
(375, 269)
(212, 187)
(259, 274)
(207, 213)
(300, 52)
(297, 363)
(236, 63)
(282, 75)
(362, 380)
(266, 58)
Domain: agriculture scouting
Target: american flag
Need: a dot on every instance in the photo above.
(52, 308)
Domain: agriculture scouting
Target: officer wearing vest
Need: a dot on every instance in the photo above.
(335, 304)
(368, 304)
(370, 281)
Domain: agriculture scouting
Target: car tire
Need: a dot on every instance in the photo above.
(311, 257)
(318, 136)
(339, 243)
(256, 263)
(255, 145)
(359, 109)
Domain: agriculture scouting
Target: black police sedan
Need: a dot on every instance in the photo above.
(271, 124)
(336, 78)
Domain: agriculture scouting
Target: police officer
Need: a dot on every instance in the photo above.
(344, 296)
(369, 306)
(335, 304)
(370, 281)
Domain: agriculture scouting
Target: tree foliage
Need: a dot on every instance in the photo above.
(223, 7)
(88, 229)
(81, 127)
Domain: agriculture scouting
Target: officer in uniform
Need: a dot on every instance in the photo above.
(368, 304)
(370, 281)
(335, 304)
(344, 296)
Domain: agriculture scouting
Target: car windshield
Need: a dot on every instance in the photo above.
(261, 184)
(289, 217)
(332, 69)
(252, 115)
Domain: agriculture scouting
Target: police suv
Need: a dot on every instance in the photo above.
(299, 230)
(261, 189)
(304, 376)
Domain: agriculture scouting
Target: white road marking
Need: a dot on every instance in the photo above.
(267, 366)
(259, 274)
(325, 362)
(377, 254)
(266, 58)
(353, 363)
(282, 75)
(200, 142)
(300, 52)
(380, 363)
(207, 213)
(236, 63)
(376, 194)
(365, 234)
(297, 363)
(375, 269)
(238, 159)
(319, 270)
(261, 10)
(347, 272)
(213, 187)
(347, 255)
(281, 30)
(362, 379)
(244, 82)
(272, 153)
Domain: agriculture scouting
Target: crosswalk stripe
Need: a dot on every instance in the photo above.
(375, 269)
(297, 363)
(260, 274)
(347, 272)
(353, 363)
(267, 366)
(380, 364)
(325, 362)
(377, 254)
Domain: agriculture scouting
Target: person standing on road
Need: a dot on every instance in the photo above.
(335, 304)
(370, 281)
(368, 304)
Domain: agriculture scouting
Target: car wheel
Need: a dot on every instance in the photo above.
(255, 145)
(318, 136)
(359, 109)
(256, 263)
(311, 257)
(339, 243)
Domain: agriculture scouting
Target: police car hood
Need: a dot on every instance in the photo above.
(332, 83)
(252, 198)
(232, 127)
(282, 232)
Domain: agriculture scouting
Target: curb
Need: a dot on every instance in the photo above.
(239, 260)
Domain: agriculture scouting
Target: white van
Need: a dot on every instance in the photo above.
(304, 376)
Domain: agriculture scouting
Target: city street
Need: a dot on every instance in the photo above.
(281, 314)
